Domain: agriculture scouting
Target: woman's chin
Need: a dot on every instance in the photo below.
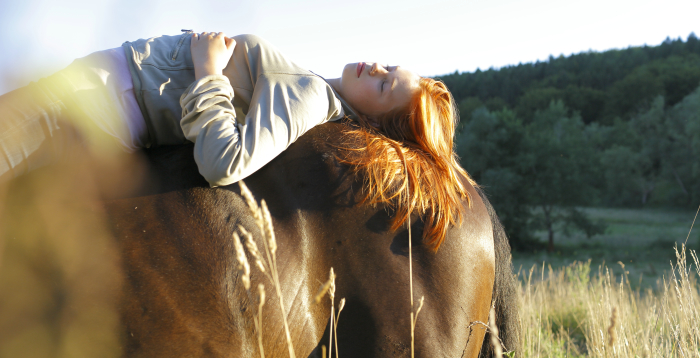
(349, 71)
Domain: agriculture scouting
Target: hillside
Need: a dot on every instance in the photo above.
(601, 86)
(620, 128)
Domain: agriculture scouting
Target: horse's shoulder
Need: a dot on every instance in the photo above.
(476, 236)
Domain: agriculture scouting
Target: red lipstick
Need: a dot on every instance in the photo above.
(360, 67)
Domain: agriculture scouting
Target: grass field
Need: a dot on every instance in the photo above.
(626, 293)
(642, 239)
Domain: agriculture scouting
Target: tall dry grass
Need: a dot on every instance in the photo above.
(572, 312)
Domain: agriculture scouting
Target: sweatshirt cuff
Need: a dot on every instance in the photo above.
(202, 82)
(213, 78)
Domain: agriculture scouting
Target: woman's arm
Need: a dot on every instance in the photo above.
(282, 105)
(207, 102)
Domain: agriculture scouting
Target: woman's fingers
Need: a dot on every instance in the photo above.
(205, 35)
(209, 34)
(230, 43)
(214, 35)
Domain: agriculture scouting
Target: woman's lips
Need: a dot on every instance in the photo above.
(360, 67)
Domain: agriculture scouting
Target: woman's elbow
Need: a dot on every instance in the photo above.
(218, 176)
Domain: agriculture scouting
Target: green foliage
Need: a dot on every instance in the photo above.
(559, 167)
(557, 157)
(632, 92)
(578, 274)
(618, 128)
(496, 104)
(576, 219)
(601, 86)
(674, 78)
(536, 99)
(491, 147)
(467, 106)
(545, 164)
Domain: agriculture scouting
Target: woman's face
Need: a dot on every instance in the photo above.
(373, 89)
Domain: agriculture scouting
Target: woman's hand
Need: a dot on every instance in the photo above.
(211, 52)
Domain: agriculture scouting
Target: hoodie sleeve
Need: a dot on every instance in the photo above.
(282, 108)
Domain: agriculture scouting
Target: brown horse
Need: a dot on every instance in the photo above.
(181, 290)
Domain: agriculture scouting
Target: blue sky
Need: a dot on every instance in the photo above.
(429, 37)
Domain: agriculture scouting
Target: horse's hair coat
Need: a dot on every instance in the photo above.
(504, 297)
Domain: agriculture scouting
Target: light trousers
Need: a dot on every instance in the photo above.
(93, 95)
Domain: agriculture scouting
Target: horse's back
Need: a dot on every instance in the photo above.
(182, 277)
(182, 292)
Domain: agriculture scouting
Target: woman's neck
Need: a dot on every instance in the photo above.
(335, 83)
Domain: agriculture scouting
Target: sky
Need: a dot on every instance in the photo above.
(429, 37)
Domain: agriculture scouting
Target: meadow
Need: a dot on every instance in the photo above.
(642, 239)
(625, 293)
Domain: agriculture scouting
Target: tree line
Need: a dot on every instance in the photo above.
(616, 128)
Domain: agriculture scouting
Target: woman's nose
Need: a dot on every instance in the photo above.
(376, 69)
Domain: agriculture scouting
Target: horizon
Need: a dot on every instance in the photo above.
(552, 57)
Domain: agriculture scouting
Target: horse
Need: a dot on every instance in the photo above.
(180, 290)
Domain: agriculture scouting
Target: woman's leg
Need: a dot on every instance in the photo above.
(92, 97)
(30, 135)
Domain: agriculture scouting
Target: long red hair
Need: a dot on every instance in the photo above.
(410, 163)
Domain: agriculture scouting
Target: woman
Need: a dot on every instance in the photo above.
(242, 103)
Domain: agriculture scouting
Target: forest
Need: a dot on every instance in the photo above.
(619, 128)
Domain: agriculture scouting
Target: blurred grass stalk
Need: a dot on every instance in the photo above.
(571, 313)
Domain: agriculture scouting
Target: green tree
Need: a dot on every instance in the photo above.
(634, 92)
(653, 152)
(558, 170)
(684, 131)
(633, 162)
(536, 99)
(491, 150)
(467, 106)
(628, 173)
(589, 102)
(621, 81)
(544, 165)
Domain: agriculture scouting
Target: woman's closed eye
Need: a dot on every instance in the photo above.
(386, 67)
